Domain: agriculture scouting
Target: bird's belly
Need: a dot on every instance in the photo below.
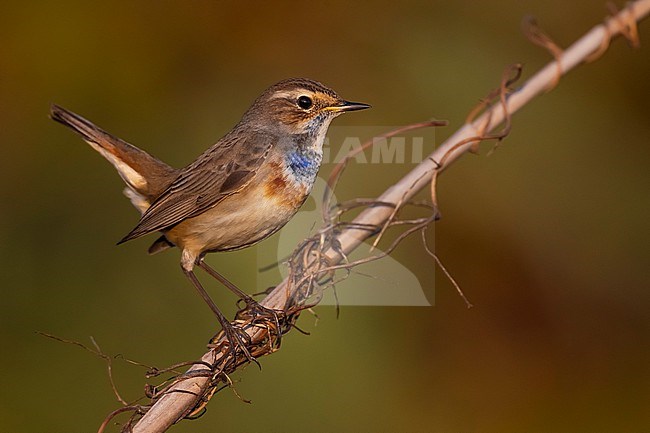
(241, 219)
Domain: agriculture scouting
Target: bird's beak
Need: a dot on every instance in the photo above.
(344, 106)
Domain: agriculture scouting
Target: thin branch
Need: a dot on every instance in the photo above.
(184, 395)
(97, 351)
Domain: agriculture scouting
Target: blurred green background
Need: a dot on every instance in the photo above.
(549, 236)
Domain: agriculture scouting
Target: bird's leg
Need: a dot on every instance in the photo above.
(223, 280)
(255, 307)
(234, 339)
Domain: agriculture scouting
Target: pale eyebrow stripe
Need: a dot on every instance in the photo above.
(283, 95)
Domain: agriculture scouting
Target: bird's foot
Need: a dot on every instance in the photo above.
(258, 314)
(237, 340)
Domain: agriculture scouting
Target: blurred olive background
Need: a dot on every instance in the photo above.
(548, 236)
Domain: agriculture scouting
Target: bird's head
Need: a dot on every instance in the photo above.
(298, 106)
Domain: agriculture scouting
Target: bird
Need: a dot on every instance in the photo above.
(238, 192)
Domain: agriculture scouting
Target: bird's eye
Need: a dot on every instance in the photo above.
(305, 102)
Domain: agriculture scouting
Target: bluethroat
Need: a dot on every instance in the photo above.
(239, 191)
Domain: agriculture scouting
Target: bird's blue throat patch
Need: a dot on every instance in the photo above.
(304, 164)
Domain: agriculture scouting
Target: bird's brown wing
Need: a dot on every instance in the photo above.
(222, 170)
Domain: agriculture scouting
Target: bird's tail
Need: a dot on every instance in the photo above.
(145, 176)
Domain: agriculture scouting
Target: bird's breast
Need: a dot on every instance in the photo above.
(284, 188)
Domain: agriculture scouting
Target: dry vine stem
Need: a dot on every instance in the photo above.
(188, 390)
